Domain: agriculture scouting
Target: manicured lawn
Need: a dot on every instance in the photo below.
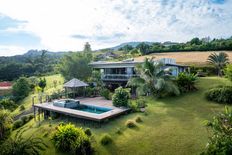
(173, 126)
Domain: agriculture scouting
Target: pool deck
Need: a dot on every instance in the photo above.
(97, 101)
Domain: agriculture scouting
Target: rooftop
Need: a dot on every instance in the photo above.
(74, 83)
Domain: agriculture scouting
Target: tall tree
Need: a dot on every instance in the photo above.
(87, 47)
(219, 60)
(153, 79)
(76, 65)
(143, 48)
(42, 83)
(87, 50)
(21, 88)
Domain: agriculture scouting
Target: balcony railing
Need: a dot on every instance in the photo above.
(120, 77)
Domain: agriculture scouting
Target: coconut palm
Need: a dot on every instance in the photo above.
(19, 145)
(153, 79)
(5, 123)
(219, 60)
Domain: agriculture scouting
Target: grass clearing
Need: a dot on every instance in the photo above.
(172, 126)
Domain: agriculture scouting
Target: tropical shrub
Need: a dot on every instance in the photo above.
(130, 124)
(5, 124)
(17, 124)
(21, 88)
(89, 91)
(23, 120)
(121, 97)
(106, 139)
(138, 119)
(141, 103)
(220, 94)
(220, 141)
(138, 104)
(24, 146)
(8, 104)
(21, 108)
(119, 131)
(228, 71)
(186, 82)
(88, 132)
(133, 106)
(68, 138)
(105, 93)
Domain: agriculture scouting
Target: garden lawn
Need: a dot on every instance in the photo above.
(173, 126)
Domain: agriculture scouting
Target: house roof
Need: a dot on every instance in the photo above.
(114, 64)
(5, 84)
(74, 83)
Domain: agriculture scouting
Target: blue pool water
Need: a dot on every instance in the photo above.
(75, 104)
(92, 109)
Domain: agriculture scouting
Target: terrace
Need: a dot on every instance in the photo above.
(94, 102)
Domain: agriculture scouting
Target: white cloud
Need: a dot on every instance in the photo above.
(99, 21)
(11, 50)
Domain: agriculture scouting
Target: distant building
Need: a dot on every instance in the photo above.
(5, 84)
(118, 73)
(107, 55)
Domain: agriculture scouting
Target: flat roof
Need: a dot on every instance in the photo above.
(114, 64)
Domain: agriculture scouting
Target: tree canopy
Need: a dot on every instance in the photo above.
(76, 65)
(21, 88)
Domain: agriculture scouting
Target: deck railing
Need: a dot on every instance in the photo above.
(122, 77)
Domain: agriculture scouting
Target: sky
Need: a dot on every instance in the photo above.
(65, 25)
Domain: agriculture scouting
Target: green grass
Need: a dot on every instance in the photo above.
(27, 102)
(172, 126)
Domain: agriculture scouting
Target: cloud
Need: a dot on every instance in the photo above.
(8, 22)
(99, 37)
(67, 25)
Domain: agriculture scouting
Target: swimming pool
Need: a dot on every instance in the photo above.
(92, 109)
(75, 104)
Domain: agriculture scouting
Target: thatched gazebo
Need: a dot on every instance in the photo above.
(72, 86)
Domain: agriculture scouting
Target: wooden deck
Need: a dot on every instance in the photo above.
(98, 101)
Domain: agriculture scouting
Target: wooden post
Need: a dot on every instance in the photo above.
(39, 115)
(33, 103)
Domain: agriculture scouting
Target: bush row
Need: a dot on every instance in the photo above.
(220, 94)
(23, 120)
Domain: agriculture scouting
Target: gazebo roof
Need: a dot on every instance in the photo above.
(75, 83)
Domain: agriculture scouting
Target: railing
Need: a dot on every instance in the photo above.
(121, 77)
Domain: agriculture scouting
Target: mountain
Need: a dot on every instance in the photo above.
(133, 44)
(35, 53)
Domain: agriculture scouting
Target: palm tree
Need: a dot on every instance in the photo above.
(5, 123)
(153, 79)
(219, 60)
(20, 145)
